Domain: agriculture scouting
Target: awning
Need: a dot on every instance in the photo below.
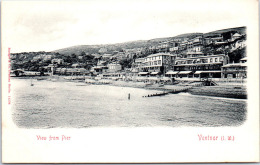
(143, 73)
(245, 58)
(208, 71)
(172, 72)
(154, 73)
(198, 72)
(19, 70)
(97, 67)
(184, 72)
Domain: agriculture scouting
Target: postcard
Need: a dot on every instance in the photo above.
(130, 81)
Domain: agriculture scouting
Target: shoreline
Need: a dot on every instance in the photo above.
(226, 91)
(236, 92)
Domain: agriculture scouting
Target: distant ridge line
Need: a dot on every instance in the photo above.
(77, 49)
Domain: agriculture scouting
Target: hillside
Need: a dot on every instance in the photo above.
(189, 35)
(91, 49)
(241, 30)
(218, 42)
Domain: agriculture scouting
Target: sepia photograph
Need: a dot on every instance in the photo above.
(135, 75)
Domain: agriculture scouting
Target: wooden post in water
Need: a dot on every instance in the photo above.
(128, 96)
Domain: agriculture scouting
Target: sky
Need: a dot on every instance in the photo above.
(51, 25)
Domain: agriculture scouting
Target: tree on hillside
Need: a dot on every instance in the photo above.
(82, 53)
(126, 63)
(236, 55)
(135, 56)
(88, 57)
(74, 58)
(57, 55)
(68, 59)
(73, 55)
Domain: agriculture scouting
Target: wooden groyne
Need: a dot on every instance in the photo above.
(175, 91)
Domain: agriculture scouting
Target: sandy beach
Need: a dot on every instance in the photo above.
(238, 91)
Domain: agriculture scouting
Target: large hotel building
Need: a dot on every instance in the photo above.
(200, 66)
(192, 65)
(158, 63)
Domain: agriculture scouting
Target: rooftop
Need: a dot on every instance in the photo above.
(208, 56)
(244, 59)
(234, 65)
(236, 35)
(160, 54)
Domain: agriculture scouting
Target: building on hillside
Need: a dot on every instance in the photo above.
(36, 58)
(200, 66)
(174, 49)
(189, 45)
(52, 68)
(216, 40)
(120, 55)
(102, 50)
(57, 61)
(80, 57)
(100, 68)
(235, 70)
(193, 54)
(96, 55)
(208, 41)
(106, 56)
(164, 46)
(198, 41)
(114, 67)
(183, 45)
(239, 44)
(159, 63)
(47, 57)
(137, 65)
(197, 48)
(236, 36)
(77, 65)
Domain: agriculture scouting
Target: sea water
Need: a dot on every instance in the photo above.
(49, 104)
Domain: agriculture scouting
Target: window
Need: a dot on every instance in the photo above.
(159, 62)
(216, 59)
(211, 59)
